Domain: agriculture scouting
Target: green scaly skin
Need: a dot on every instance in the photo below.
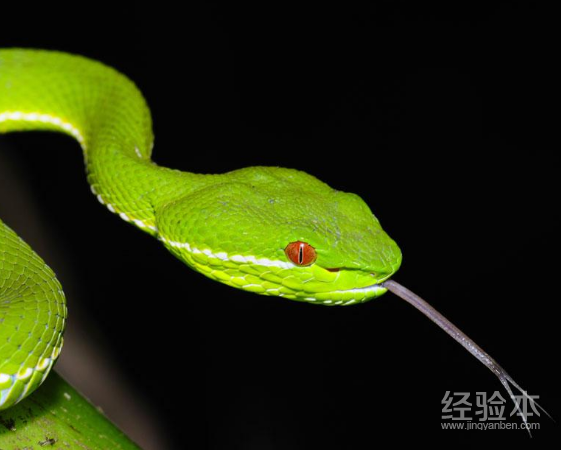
(231, 227)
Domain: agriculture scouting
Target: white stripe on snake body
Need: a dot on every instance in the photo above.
(225, 257)
(44, 118)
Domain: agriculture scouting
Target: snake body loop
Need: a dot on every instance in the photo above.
(232, 227)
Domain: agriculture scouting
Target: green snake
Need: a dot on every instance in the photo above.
(268, 230)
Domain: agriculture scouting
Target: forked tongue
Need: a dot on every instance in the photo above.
(465, 341)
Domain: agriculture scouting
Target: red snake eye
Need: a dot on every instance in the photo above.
(300, 253)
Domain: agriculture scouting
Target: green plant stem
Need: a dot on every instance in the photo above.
(57, 416)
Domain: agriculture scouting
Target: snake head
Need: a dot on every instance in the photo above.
(237, 228)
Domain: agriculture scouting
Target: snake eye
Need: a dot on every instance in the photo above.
(300, 253)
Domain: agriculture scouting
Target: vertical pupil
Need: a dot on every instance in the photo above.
(300, 253)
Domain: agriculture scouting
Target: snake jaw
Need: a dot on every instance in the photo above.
(312, 284)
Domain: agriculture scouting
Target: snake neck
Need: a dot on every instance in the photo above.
(105, 112)
(135, 188)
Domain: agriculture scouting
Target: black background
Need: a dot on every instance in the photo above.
(433, 114)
